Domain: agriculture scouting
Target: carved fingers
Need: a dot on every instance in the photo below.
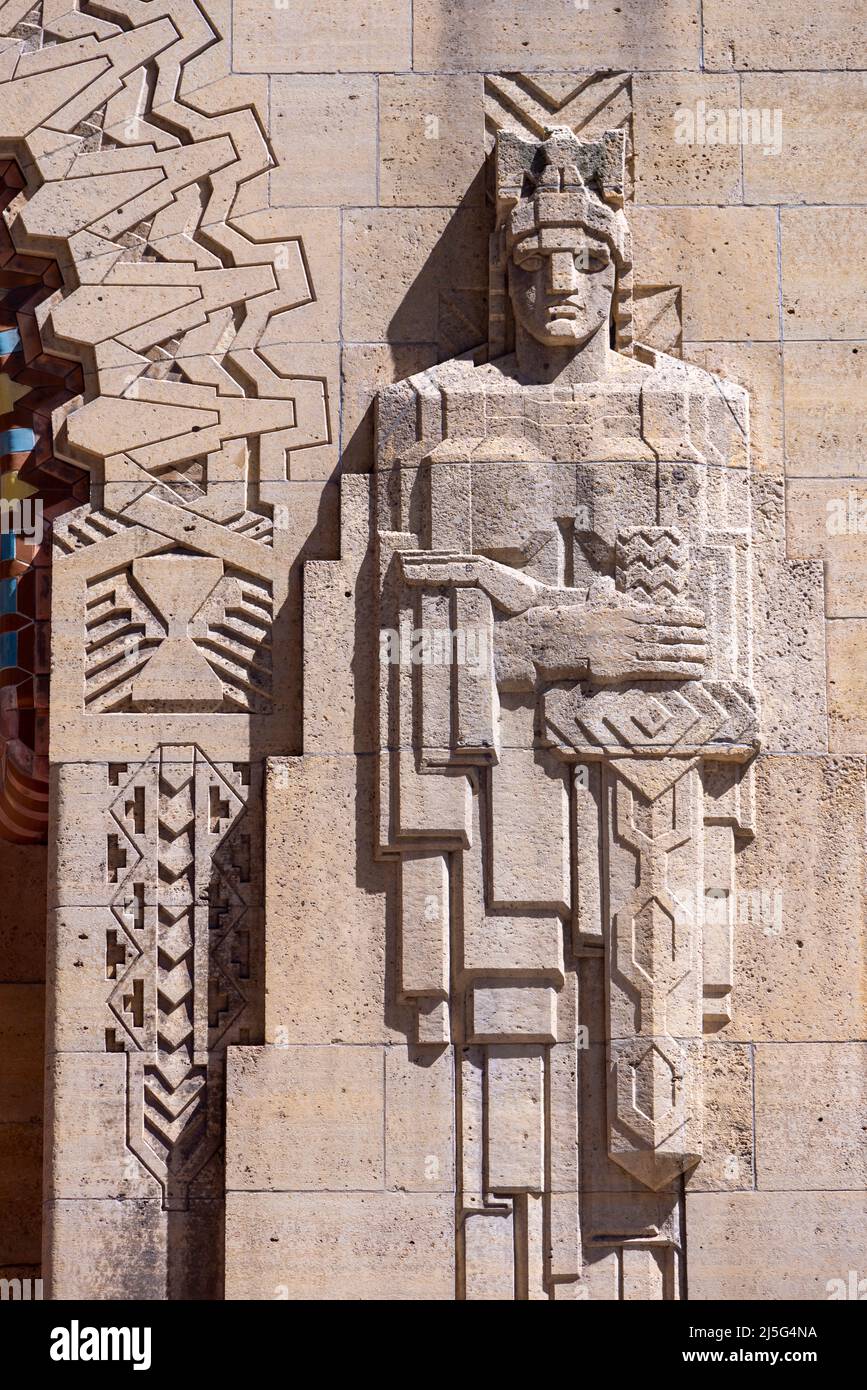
(670, 644)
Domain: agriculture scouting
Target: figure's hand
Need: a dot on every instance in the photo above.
(610, 643)
(605, 635)
(643, 642)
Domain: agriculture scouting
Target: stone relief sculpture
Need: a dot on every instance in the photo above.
(128, 150)
(566, 725)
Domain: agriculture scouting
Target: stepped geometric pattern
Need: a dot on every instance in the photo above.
(179, 848)
(156, 644)
(136, 156)
(652, 564)
(139, 250)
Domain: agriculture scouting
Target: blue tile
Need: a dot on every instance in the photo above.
(17, 441)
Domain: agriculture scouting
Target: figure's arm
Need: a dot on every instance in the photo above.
(553, 633)
(510, 589)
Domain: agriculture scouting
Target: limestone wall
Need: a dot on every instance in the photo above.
(265, 214)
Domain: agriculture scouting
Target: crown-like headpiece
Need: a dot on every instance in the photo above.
(560, 181)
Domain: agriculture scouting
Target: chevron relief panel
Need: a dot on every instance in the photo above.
(529, 104)
(182, 838)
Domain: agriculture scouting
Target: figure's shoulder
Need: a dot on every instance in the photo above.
(449, 400)
(647, 405)
(469, 373)
(662, 372)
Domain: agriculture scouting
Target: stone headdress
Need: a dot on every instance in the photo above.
(560, 181)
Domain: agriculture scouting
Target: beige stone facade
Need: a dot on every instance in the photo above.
(433, 683)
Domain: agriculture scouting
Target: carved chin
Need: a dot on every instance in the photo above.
(565, 332)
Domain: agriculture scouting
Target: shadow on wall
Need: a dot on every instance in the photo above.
(23, 875)
(442, 313)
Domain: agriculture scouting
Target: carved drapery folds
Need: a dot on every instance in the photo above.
(566, 727)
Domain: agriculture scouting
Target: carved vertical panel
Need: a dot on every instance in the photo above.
(548, 807)
(183, 846)
(171, 677)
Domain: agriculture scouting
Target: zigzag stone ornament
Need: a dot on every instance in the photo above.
(130, 154)
(560, 806)
(182, 953)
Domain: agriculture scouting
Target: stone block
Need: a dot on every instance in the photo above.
(525, 1013)
(799, 930)
(132, 1250)
(416, 277)
(770, 1246)
(674, 161)
(323, 130)
(826, 417)
(316, 37)
(489, 1255)
(789, 36)
(528, 34)
(725, 259)
(823, 121)
(826, 518)
(823, 295)
(326, 939)
(531, 832)
(301, 1118)
(727, 1159)
(789, 631)
(810, 1117)
(431, 140)
(847, 684)
(846, 588)
(419, 1119)
(516, 1119)
(87, 1155)
(335, 1246)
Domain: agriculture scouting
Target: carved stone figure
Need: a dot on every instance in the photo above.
(566, 723)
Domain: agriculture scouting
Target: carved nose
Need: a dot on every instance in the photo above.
(561, 272)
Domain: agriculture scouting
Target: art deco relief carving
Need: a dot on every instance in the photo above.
(564, 791)
(136, 155)
(184, 955)
(178, 631)
(131, 176)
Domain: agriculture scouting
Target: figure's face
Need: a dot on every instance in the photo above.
(561, 294)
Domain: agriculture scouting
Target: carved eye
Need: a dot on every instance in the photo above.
(531, 263)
